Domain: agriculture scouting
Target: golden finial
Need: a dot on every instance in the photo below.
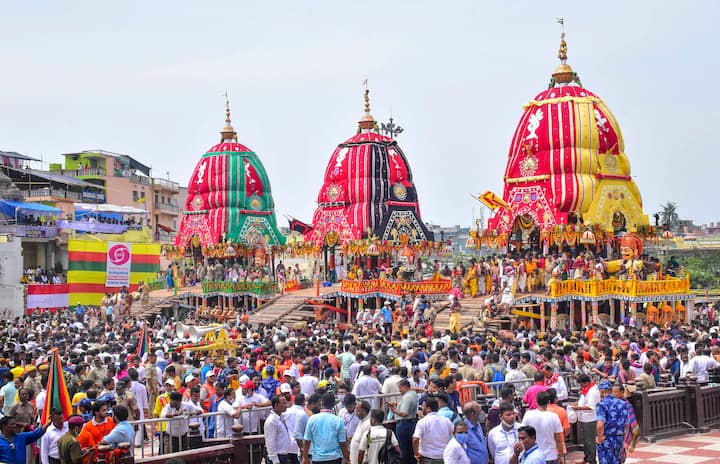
(228, 133)
(367, 122)
(562, 53)
(563, 73)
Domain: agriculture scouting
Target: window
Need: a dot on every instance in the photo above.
(135, 195)
(156, 199)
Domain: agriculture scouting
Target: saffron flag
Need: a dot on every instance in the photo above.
(58, 396)
(144, 342)
(492, 201)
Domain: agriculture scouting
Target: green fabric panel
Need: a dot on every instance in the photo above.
(144, 267)
(87, 266)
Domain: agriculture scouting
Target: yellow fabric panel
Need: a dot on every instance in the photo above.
(87, 245)
(586, 141)
(93, 299)
(136, 277)
(146, 248)
(86, 277)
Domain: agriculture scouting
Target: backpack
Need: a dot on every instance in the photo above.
(498, 376)
(387, 453)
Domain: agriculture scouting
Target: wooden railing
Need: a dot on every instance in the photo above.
(240, 449)
(619, 288)
(669, 412)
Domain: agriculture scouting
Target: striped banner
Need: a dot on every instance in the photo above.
(87, 269)
(47, 296)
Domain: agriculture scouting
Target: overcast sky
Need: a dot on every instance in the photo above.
(145, 78)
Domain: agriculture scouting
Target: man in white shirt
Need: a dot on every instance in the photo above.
(549, 431)
(502, 438)
(348, 416)
(556, 381)
(308, 383)
(367, 385)
(375, 438)
(293, 417)
(432, 434)
(390, 385)
(455, 452)
(589, 399)
(178, 429)
(228, 414)
(141, 395)
(278, 442)
(249, 400)
(48, 442)
(698, 366)
(362, 411)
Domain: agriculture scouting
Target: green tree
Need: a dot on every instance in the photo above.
(704, 271)
(669, 214)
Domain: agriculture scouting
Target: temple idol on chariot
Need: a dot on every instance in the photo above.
(568, 190)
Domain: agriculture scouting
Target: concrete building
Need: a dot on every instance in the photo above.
(126, 181)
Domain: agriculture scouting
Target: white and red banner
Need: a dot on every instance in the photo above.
(47, 296)
(118, 264)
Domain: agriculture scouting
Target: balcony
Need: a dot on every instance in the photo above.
(167, 208)
(29, 232)
(82, 172)
(168, 185)
(142, 180)
(50, 194)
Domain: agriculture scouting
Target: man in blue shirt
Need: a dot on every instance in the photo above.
(444, 410)
(12, 444)
(79, 311)
(526, 451)
(476, 446)
(325, 437)
(123, 431)
(387, 317)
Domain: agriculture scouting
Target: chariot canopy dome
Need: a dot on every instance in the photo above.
(229, 197)
(368, 191)
(567, 163)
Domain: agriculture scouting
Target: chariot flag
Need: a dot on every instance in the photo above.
(143, 342)
(299, 226)
(492, 201)
(58, 396)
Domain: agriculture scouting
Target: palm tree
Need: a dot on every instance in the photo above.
(669, 214)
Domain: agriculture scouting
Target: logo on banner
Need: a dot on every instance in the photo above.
(118, 265)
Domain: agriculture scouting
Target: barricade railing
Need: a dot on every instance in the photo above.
(160, 443)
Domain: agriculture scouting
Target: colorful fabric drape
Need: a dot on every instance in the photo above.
(632, 433)
(87, 265)
(58, 396)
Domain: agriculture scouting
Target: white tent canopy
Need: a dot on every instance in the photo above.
(107, 208)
